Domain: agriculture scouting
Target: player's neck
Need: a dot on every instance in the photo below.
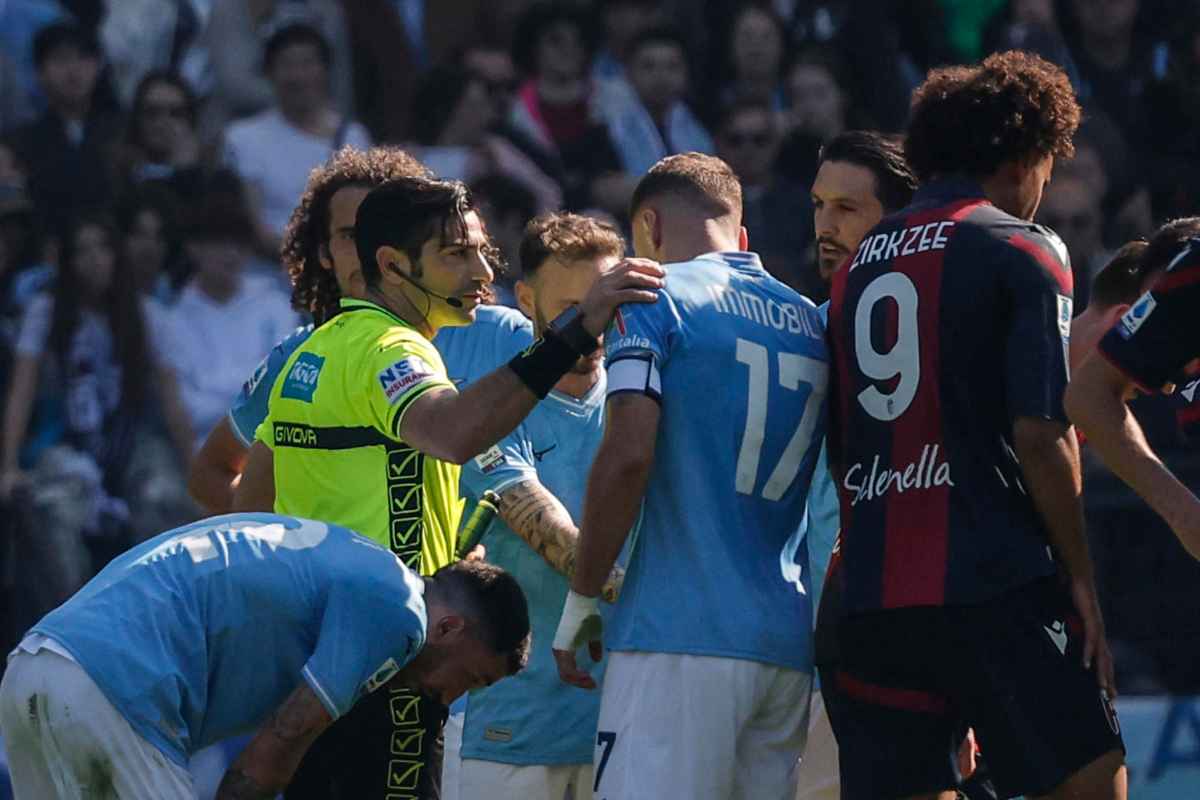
(578, 384)
(687, 243)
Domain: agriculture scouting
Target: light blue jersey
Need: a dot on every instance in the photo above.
(822, 514)
(739, 363)
(496, 335)
(535, 718)
(198, 634)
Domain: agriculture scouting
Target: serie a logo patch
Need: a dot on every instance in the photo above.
(1137, 314)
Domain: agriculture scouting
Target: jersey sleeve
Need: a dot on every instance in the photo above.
(1160, 333)
(249, 408)
(365, 637)
(1036, 368)
(507, 462)
(403, 367)
(638, 343)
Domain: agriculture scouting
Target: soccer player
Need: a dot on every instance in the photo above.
(364, 428)
(1148, 349)
(715, 402)
(861, 175)
(958, 473)
(535, 739)
(232, 622)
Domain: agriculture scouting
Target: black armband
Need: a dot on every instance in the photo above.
(543, 363)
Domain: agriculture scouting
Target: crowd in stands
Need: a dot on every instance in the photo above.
(152, 152)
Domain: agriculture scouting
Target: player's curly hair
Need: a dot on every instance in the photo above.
(306, 238)
(971, 119)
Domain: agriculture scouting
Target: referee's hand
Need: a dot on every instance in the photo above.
(631, 280)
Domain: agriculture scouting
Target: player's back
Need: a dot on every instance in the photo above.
(743, 372)
(950, 322)
(197, 634)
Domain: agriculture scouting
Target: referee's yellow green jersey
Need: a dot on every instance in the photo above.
(333, 422)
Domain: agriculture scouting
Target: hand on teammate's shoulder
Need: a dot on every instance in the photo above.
(630, 280)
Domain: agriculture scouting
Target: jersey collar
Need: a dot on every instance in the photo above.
(358, 304)
(738, 259)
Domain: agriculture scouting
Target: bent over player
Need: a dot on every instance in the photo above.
(715, 399)
(959, 478)
(209, 630)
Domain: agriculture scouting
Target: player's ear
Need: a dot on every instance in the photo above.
(654, 225)
(524, 294)
(325, 258)
(743, 239)
(451, 627)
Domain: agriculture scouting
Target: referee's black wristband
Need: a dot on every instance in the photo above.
(543, 363)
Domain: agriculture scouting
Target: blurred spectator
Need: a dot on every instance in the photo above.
(505, 206)
(69, 148)
(1072, 210)
(777, 214)
(394, 41)
(273, 151)
(1172, 129)
(754, 59)
(1115, 63)
(818, 111)
(147, 219)
(23, 272)
(142, 36)
(224, 319)
(20, 20)
(1032, 25)
(161, 141)
(237, 37)
(452, 127)
(84, 355)
(622, 22)
(656, 122)
(554, 108)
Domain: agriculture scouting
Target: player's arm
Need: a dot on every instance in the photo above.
(538, 517)
(256, 489)
(1095, 401)
(216, 470)
(266, 766)
(455, 427)
(615, 489)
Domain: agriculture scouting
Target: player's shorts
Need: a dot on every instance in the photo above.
(491, 780)
(699, 727)
(65, 740)
(388, 747)
(910, 681)
(452, 754)
(817, 772)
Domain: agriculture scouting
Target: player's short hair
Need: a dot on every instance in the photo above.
(404, 214)
(883, 156)
(492, 596)
(50, 38)
(1014, 106)
(704, 181)
(567, 237)
(1122, 279)
(296, 33)
(1167, 242)
(306, 238)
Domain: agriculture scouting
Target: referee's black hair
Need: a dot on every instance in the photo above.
(883, 155)
(492, 596)
(404, 214)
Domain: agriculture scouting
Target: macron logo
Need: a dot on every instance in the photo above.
(1058, 634)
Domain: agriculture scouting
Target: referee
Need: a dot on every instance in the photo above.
(365, 430)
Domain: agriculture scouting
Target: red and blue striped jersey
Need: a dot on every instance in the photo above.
(1160, 333)
(951, 321)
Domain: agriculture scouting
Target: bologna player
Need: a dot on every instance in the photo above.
(958, 473)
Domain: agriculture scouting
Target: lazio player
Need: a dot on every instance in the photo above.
(533, 740)
(365, 428)
(208, 630)
(714, 413)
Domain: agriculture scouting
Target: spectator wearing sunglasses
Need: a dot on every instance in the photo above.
(775, 212)
(161, 142)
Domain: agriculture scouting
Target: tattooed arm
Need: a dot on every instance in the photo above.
(540, 519)
(267, 764)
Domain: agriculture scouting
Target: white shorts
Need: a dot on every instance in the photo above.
(66, 741)
(699, 727)
(817, 776)
(476, 779)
